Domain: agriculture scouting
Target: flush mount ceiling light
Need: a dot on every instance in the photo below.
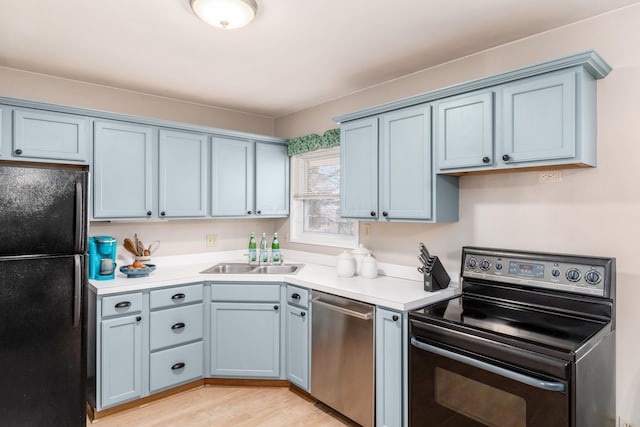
(225, 14)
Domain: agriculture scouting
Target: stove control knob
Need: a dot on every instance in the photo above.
(592, 277)
(485, 264)
(555, 272)
(573, 274)
(472, 263)
(498, 266)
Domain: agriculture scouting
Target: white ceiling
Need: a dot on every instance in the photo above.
(296, 53)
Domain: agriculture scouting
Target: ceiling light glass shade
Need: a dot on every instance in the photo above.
(225, 14)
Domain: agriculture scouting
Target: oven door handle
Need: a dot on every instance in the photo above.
(516, 376)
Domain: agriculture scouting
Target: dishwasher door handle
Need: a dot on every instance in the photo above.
(364, 316)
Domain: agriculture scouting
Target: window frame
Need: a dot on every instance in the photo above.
(297, 217)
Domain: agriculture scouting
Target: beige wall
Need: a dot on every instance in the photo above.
(592, 211)
(54, 90)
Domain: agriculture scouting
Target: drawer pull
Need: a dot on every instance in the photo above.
(178, 326)
(178, 296)
(123, 304)
(179, 365)
(295, 296)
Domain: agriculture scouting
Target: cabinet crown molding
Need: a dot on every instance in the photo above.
(592, 62)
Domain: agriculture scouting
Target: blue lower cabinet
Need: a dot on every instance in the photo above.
(175, 366)
(121, 360)
(391, 380)
(298, 346)
(245, 340)
(175, 326)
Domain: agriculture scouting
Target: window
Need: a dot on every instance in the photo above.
(315, 201)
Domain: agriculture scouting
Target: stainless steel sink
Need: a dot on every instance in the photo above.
(229, 268)
(276, 269)
(244, 268)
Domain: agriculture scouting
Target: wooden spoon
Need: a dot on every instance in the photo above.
(130, 247)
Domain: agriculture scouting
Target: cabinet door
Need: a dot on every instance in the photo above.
(464, 131)
(539, 118)
(245, 340)
(405, 164)
(121, 359)
(272, 179)
(183, 174)
(298, 347)
(390, 393)
(359, 169)
(4, 135)
(232, 177)
(123, 172)
(46, 135)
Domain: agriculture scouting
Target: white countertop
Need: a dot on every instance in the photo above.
(401, 288)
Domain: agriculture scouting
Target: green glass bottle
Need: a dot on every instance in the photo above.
(275, 249)
(253, 254)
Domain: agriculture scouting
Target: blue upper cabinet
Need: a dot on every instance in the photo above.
(3, 131)
(232, 177)
(387, 170)
(123, 177)
(463, 131)
(359, 169)
(539, 119)
(539, 116)
(271, 179)
(49, 136)
(249, 178)
(182, 175)
(405, 170)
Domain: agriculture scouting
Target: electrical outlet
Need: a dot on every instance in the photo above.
(212, 240)
(367, 229)
(625, 423)
(546, 177)
(286, 237)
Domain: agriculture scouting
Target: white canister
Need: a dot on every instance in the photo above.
(345, 265)
(369, 267)
(359, 254)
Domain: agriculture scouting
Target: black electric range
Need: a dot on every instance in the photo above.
(529, 342)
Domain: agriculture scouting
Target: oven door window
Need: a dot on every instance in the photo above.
(445, 389)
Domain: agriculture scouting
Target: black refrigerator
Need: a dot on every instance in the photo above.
(43, 280)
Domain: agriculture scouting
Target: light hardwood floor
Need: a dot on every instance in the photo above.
(222, 406)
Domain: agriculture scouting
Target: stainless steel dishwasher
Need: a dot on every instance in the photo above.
(342, 356)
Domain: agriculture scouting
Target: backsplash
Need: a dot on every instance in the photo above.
(185, 237)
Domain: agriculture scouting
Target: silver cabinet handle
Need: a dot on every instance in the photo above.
(77, 291)
(339, 309)
(516, 376)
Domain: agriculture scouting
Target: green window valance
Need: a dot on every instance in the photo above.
(313, 141)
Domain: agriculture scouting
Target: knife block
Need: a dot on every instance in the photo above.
(438, 278)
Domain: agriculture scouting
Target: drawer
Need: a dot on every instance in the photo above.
(245, 292)
(175, 326)
(297, 296)
(176, 296)
(176, 365)
(121, 304)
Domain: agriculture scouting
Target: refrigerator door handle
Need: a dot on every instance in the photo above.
(77, 293)
(79, 217)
